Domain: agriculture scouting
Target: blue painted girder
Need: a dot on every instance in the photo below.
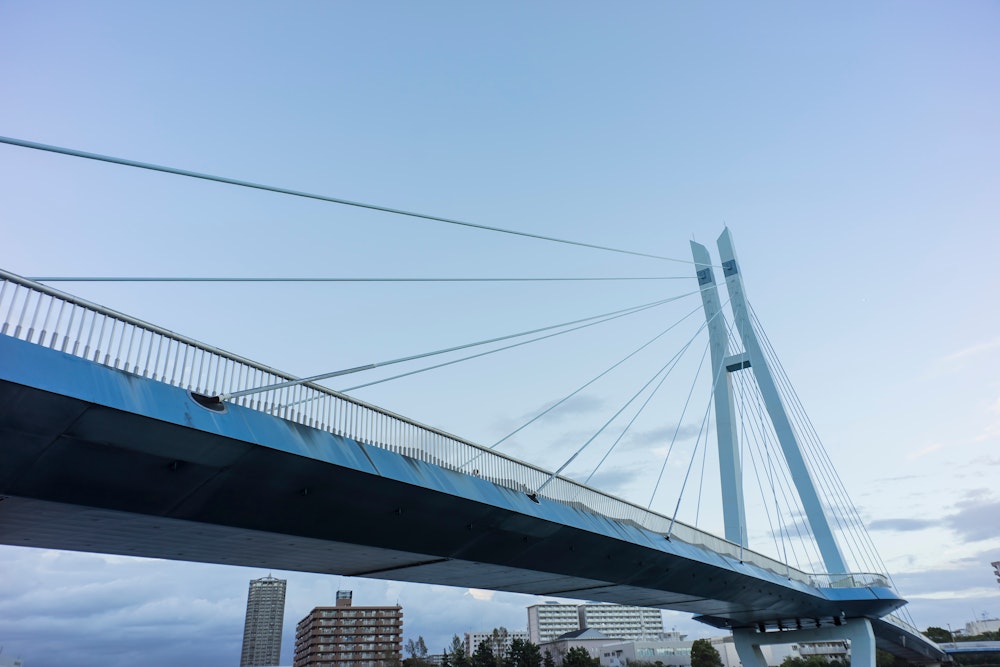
(96, 459)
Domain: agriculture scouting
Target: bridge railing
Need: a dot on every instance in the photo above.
(901, 623)
(45, 316)
(851, 580)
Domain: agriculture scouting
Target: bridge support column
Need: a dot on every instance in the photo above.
(833, 559)
(856, 630)
(730, 466)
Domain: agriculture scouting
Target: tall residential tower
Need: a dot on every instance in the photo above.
(262, 629)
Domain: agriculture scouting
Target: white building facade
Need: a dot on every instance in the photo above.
(473, 639)
(588, 639)
(622, 622)
(550, 620)
(983, 625)
(671, 651)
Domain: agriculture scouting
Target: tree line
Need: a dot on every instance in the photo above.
(498, 650)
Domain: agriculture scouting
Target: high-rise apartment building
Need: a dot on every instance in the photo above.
(349, 635)
(622, 621)
(262, 628)
(551, 620)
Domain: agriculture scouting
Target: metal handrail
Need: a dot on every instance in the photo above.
(45, 316)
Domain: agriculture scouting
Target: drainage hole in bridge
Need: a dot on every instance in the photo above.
(211, 403)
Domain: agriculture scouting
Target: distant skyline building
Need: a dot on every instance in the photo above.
(263, 624)
(981, 625)
(349, 635)
(592, 641)
(622, 621)
(473, 639)
(551, 620)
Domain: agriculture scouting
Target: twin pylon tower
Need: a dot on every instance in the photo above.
(748, 641)
(752, 359)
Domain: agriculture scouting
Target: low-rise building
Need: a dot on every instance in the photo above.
(589, 639)
(473, 639)
(974, 628)
(673, 651)
(831, 650)
(775, 654)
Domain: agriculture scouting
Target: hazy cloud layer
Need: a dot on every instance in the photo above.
(59, 604)
(983, 347)
(964, 577)
(660, 437)
(119, 612)
(613, 479)
(977, 516)
(973, 518)
(582, 404)
(902, 525)
(986, 461)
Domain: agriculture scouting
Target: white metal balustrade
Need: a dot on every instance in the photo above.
(39, 314)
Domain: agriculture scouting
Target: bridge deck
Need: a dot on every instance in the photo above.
(97, 459)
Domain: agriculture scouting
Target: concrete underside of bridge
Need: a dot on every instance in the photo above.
(96, 459)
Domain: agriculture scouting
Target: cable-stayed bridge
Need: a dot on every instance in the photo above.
(117, 436)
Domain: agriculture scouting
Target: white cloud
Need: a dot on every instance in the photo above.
(972, 351)
(968, 594)
(478, 594)
(929, 449)
(992, 429)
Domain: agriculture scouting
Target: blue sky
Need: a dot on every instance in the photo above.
(851, 148)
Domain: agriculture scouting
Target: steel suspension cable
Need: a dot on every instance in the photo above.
(783, 484)
(761, 442)
(868, 550)
(632, 421)
(855, 530)
(763, 497)
(594, 379)
(749, 323)
(687, 402)
(701, 430)
(790, 496)
(701, 481)
(837, 503)
(509, 347)
(475, 356)
(677, 428)
(779, 484)
(781, 522)
(309, 195)
(247, 279)
(606, 424)
(366, 367)
(743, 452)
(821, 464)
(759, 433)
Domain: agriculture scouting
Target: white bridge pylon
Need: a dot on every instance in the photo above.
(724, 365)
